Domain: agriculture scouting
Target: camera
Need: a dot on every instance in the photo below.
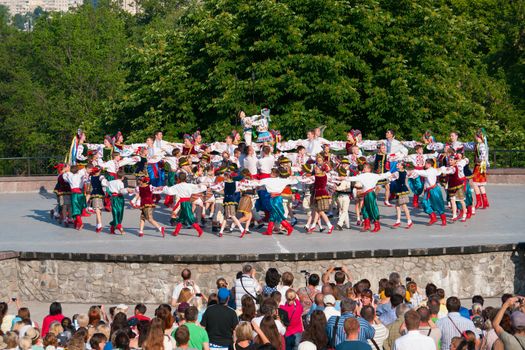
(520, 301)
(198, 294)
(338, 269)
(408, 279)
(305, 272)
(13, 299)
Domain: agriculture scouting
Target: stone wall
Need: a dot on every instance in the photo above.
(489, 274)
(8, 275)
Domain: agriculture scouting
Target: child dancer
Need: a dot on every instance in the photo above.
(183, 191)
(145, 192)
(76, 178)
(401, 192)
(369, 180)
(382, 165)
(115, 189)
(275, 186)
(97, 195)
(456, 183)
(63, 192)
(321, 195)
(230, 205)
(432, 202)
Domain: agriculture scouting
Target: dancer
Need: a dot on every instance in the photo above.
(342, 194)
(369, 180)
(456, 184)
(416, 184)
(381, 166)
(246, 204)
(401, 192)
(76, 178)
(115, 188)
(145, 192)
(481, 160)
(275, 186)
(230, 204)
(63, 192)
(432, 202)
(321, 196)
(97, 195)
(183, 191)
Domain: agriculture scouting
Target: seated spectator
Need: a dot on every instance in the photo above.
(219, 320)
(336, 323)
(272, 280)
(246, 284)
(413, 339)
(329, 307)
(426, 328)
(454, 324)
(352, 342)
(381, 332)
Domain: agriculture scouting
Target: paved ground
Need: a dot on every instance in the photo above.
(26, 226)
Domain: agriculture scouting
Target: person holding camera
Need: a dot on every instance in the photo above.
(514, 341)
(246, 284)
(187, 282)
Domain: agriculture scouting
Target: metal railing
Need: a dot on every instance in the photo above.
(39, 166)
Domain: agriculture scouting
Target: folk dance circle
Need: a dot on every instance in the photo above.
(255, 179)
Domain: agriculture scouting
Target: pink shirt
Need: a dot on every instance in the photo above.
(47, 322)
(295, 312)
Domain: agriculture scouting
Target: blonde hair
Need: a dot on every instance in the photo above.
(244, 331)
(82, 320)
(25, 343)
(185, 295)
(56, 328)
(291, 295)
(104, 329)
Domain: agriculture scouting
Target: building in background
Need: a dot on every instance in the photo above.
(24, 6)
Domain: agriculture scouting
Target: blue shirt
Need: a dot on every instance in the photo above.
(386, 313)
(366, 331)
(353, 345)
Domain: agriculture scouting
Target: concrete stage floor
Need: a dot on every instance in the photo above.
(26, 227)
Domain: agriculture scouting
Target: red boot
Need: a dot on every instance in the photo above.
(163, 232)
(78, 222)
(197, 228)
(377, 226)
(85, 213)
(479, 201)
(177, 229)
(120, 229)
(469, 211)
(415, 201)
(366, 225)
(168, 201)
(433, 219)
(443, 220)
(485, 201)
(287, 226)
(107, 203)
(112, 229)
(269, 229)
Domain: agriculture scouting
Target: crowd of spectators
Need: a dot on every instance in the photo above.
(280, 313)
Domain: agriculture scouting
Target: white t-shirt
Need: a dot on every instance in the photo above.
(176, 291)
(280, 327)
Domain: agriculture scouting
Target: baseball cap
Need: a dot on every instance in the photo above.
(329, 299)
(223, 294)
(518, 319)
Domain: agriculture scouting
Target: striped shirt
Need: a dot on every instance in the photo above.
(380, 336)
(366, 331)
(449, 328)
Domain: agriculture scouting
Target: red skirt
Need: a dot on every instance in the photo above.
(479, 177)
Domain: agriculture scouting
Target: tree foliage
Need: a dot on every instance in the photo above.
(182, 65)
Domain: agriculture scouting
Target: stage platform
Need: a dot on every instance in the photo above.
(27, 228)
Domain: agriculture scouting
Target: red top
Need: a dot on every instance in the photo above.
(294, 312)
(454, 180)
(47, 322)
(63, 185)
(188, 150)
(320, 186)
(146, 196)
